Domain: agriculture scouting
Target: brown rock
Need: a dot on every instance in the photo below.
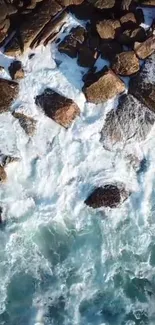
(3, 175)
(145, 49)
(142, 86)
(6, 159)
(131, 121)
(16, 71)
(107, 28)
(4, 30)
(26, 122)
(109, 49)
(128, 20)
(66, 3)
(9, 91)
(111, 195)
(127, 5)
(72, 42)
(57, 107)
(86, 56)
(126, 63)
(105, 86)
(129, 36)
(103, 4)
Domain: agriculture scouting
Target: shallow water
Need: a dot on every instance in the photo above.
(60, 261)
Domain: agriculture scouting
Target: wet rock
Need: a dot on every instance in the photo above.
(109, 49)
(86, 57)
(7, 159)
(127, 5)
(126, 63)
(9, 91)
(103, 4)
(145, 49)
(26, 122)
(131, 121)
(57, 107)
(72, 42)
(1, 211)
(107, 29)
(3, 175)
(4, 30)
(103, 86)
(108, 196)
(16, 70)
(128, 20)
(130, 36)
(66, 3)
(142, 86)
(146, 3)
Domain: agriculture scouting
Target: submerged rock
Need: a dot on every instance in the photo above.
(108, 196)
(7, 159)
(142, 86)
(131, 121)
(8, 92)
(26, 122)
(57, 107)
(126, 63)
(16, 70)
(104, 85)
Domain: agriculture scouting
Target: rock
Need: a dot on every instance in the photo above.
(126, 63)
(107, 29)
(86, 56)
(26, 122)
(9, 91)
(66, 3)
(146, 3)
(3, 175)
(15, 69)
(128, 20)
(132, 35)
(131, 121)
(127, 5)
(1, 212)
(57, 107)
(145, 49)
(142, 86)
(72, 42)
(110, 195)
(109, 49)
(4, 30)
(103, 4)
(103, 86)
(7, 159)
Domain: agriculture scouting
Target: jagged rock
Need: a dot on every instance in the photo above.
(110, 195)
(103, 86)
(8, 92)
(130, 122)
(103, 4)
(127, 5)
(107, 29)
(4, 30)
(145, 3)
(126, 63)
(15, 69)
(66, 3)
(32, 26)
(3, 175)
(26, 122)
(145, 49)
(130, 36)
(57, 107)
(72, 42)
(142, 86)
(86, 57)
(109, 49)
(7, 159)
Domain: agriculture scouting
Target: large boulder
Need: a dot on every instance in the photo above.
(107, 29)
(57, 107)
(72, 42)
(67, 3)
(103, 4)
(102, 86)
(27, 123)
(127, 5)
(109, 49)
(16, 70)
(142, 86)
(8, 92)
(146, 3)
(131, 121)
(126, 63)
(145, 49)
(110, 195)
(86, 56)
(131, 35)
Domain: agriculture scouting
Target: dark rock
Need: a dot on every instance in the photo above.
(103, 86)
(142, 86)
(147, 3)
(107, 29)
(16, 70)
(103, 4)
(7, 159)
(57, 107)
(4, 30)
(128, 20)
(145, 49)
(26, 122)
(108, 196)
(86, 57)
(127, 5)
(126, 63)
(130, 122)
(132, 35)
(72, 42)
(109, 49)
(9, 91)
